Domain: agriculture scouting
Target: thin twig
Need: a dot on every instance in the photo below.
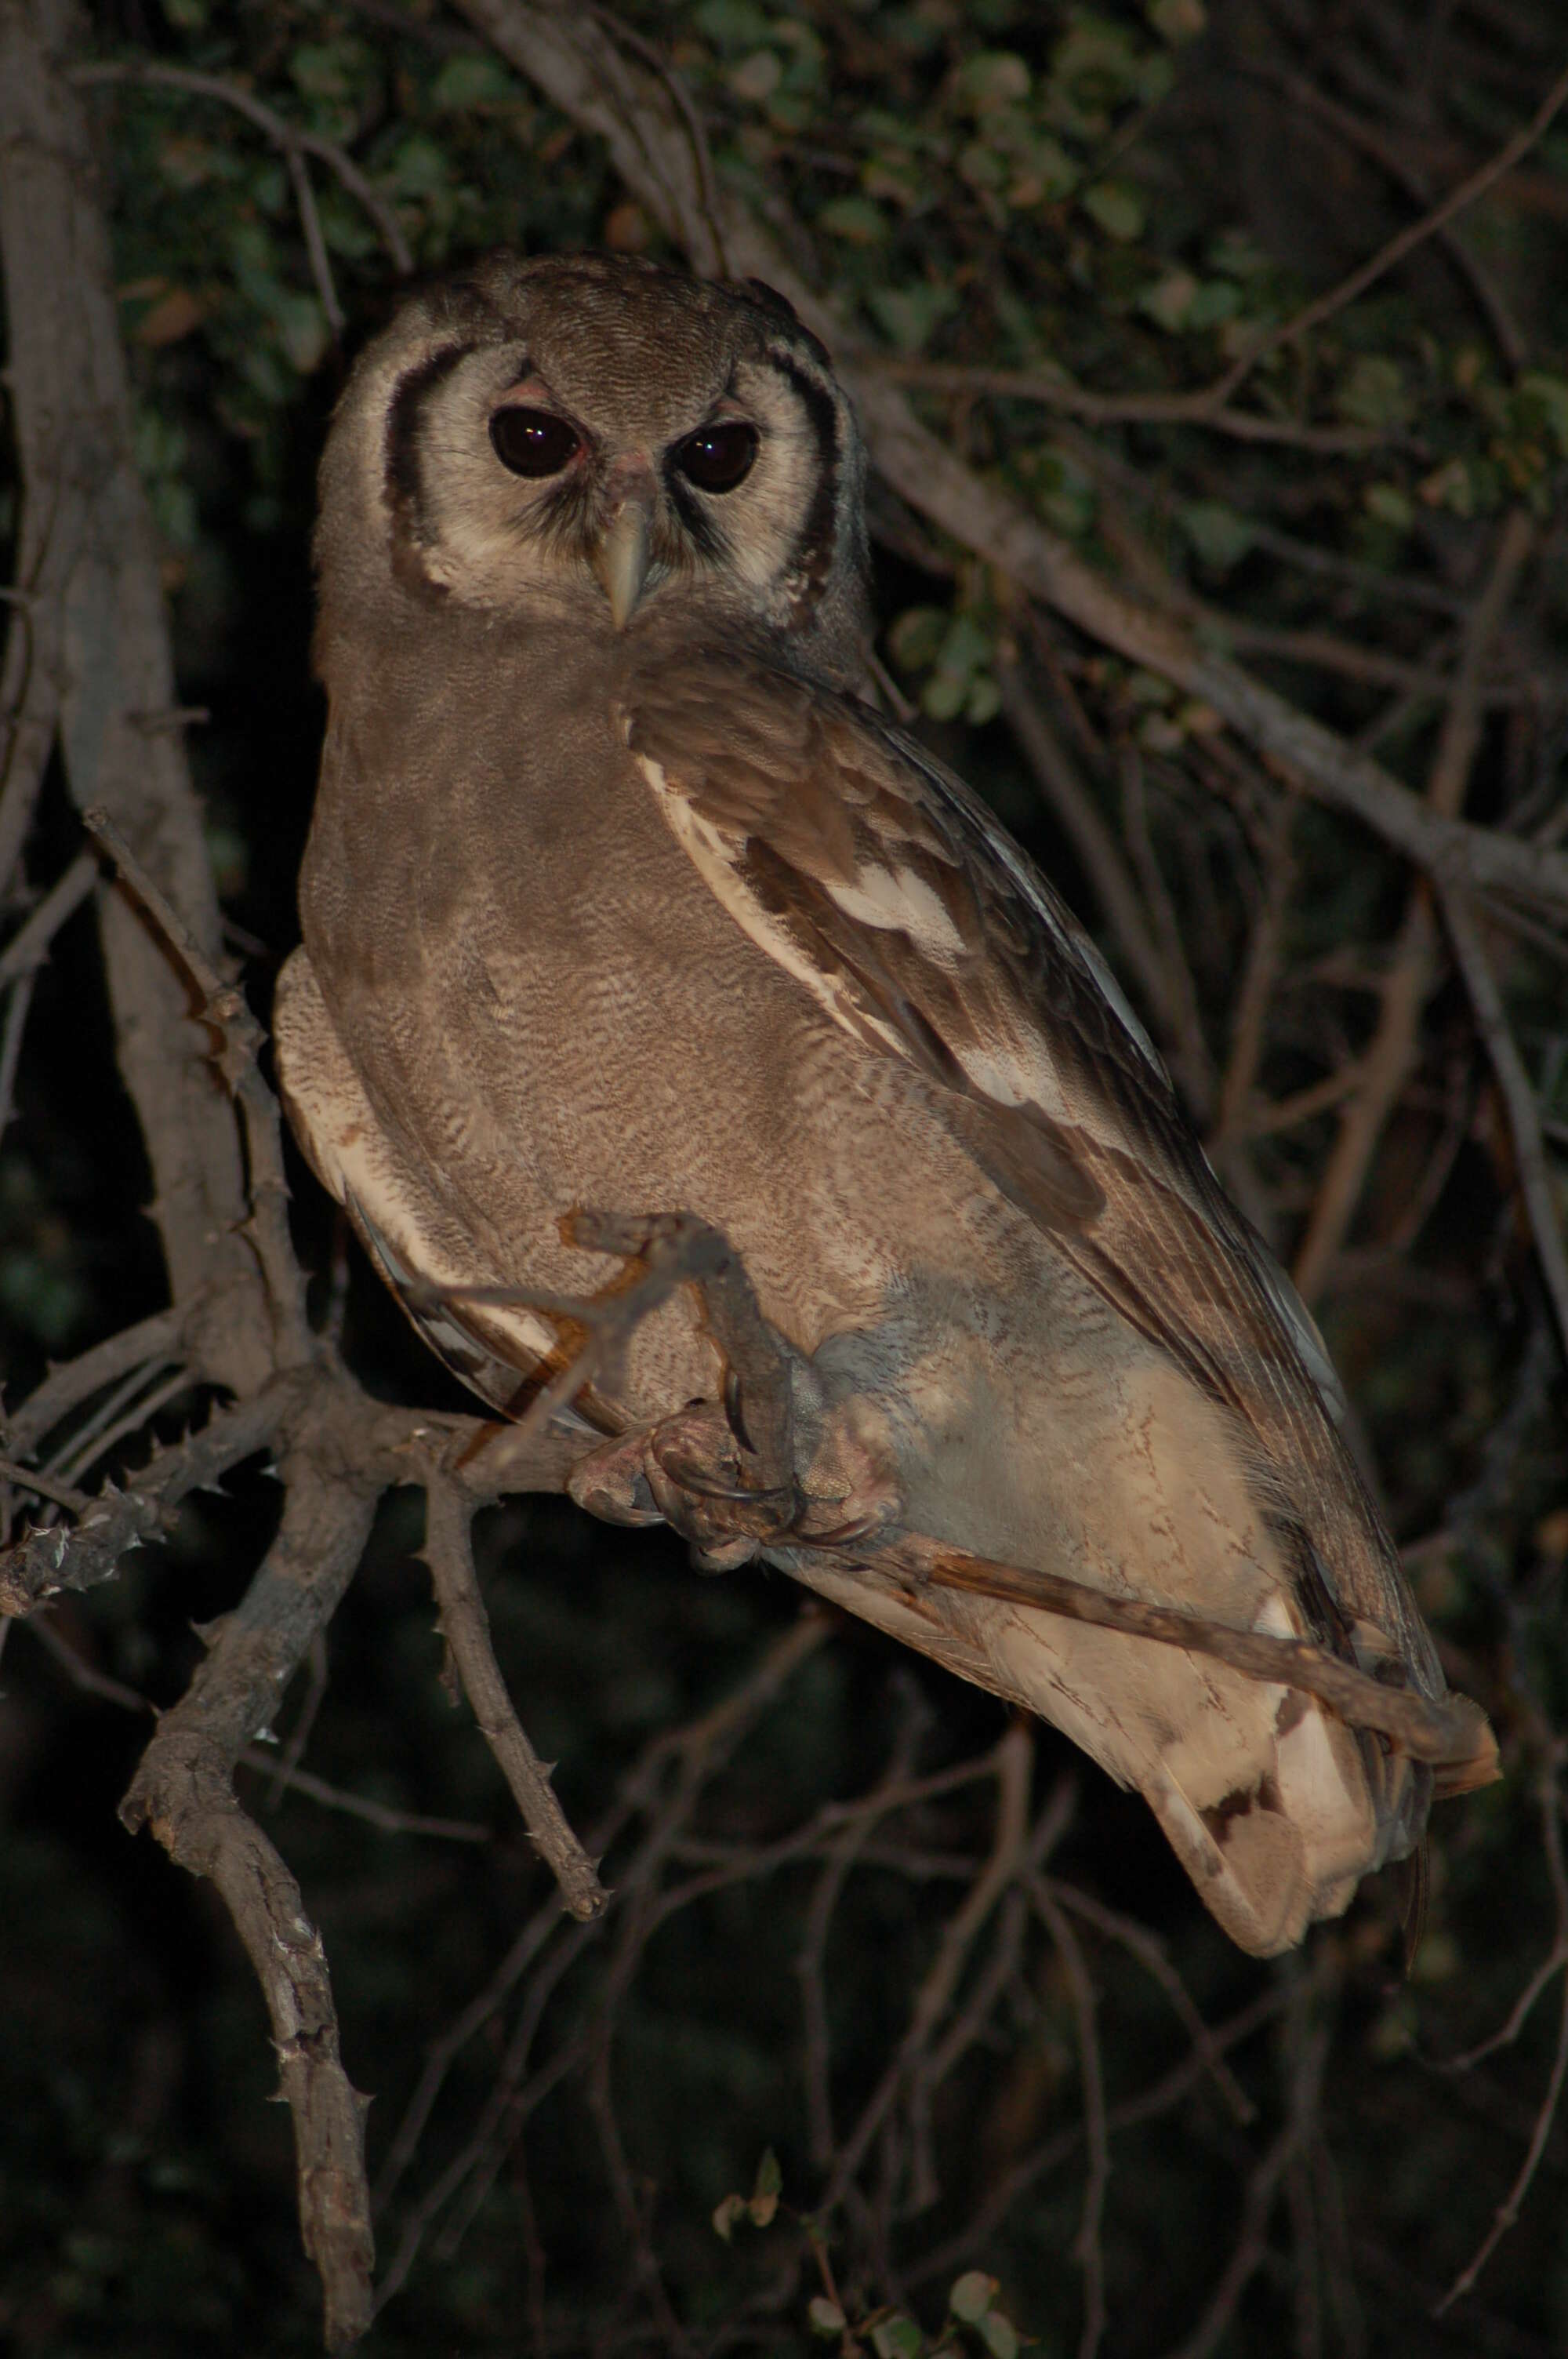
(16, 1008)
(1386, 1064)
(28, 947)
(1518, 1096)
(65, 1388)
(241, 1038)
(1203, 407)
(1507, 2212)
(1087, 2250)
(1313, 315)
(1450, 1729)
(289, 137)
(449, 1553)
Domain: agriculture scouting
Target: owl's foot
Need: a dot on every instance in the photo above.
(691, 1472)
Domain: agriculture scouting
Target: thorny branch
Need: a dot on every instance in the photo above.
(465, 1625)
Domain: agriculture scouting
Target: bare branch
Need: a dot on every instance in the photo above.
(1087, 2250)
(183, 1789)
(242, 1037)
(104, 611)
(133, 1349)
(29, 945)
(466, 1628)
(42, 1563)
(1388, 257)
(1054, 390)
(1450, 1730)
(1517, 1095)
(1386, 1065)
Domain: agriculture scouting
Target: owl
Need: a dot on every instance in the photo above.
(619, 894)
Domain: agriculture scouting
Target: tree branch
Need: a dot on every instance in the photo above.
(465, 1625)
(73, 412)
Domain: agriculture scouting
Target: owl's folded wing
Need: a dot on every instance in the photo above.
(883, 884)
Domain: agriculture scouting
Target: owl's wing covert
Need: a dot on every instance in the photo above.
(883, 884)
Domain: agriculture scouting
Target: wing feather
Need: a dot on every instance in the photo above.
(881, 884)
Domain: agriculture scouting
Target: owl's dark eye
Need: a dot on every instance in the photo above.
(717, 458)
(532, 441)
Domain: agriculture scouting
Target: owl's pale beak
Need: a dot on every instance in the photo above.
(620, 558)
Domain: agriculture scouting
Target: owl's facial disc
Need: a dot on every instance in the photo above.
(611, 444)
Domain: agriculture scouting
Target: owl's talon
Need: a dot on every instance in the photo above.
(610, 1483)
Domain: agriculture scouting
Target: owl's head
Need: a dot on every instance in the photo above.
(601, 441)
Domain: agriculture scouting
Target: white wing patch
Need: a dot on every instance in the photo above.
(887, 898)
(715, 856)
(1007, 1070)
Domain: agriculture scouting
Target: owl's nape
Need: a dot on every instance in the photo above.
(563, 435)
(617, 896)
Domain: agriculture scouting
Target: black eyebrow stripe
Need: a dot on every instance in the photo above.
(817, 544)
(403, 476)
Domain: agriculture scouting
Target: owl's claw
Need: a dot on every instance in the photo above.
(689, 1472)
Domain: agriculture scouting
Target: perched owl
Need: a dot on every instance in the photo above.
(617, 895)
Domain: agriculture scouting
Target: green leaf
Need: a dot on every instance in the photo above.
(983, 701)
(765, 2194)
(1046, 173)
(1548, 394)
(758, 76)
(471, 79)
(1177, 20)
(910, 316)
(897, 2338)
(999, 2336)
(1218, 535)
(1117, 207)
(855, 218)
(327, 69)
(1169, 301)
(964, 649)
(971, 2297)
(824, 2317)
(1375, 393)
(991, 78)
(1390, 505)
(733, 25)
(1216, 300)
(916, 637)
